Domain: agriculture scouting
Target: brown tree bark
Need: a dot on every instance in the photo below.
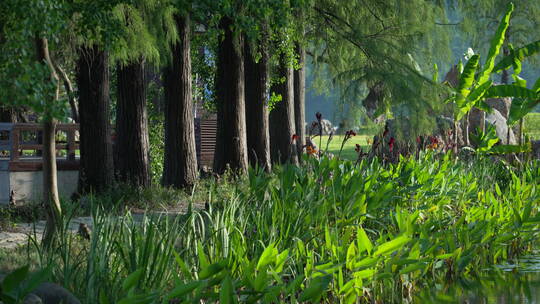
(282, 125)
(231, 149)
(96, 164)
(131, 146)
(50, 186)
(180, 165)
(300, 100)
(257, 87)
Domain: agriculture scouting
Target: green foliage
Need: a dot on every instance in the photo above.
(343, 229)
(147, 31)
(380, 44)
(19, 283)
(473, 89)
(156, 130)
(485, 141)
(25, 81)
(496, 44)
(532, 125)
(517, 56)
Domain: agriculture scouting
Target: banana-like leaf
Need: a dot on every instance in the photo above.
(519, 81)
(496, 43)
(517, 55)
(485, 141)
(478, 92)
(510, 90)
(475, 99)
(466, 78)
(519, 108)
(484, 106)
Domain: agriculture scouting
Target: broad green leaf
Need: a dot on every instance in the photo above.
(510, 90)
(485, 141)
(280, 260)
(366, 262)
(496, 43)
(183, 289)
(351, 255)
(519, 108)
(466, 78)
(267, 257)
(413, 267)
(327, 238)
(260, 281)
(14, 279)
(347, 287)
(203, 260)
(132, 279)
(517, 55)
(392, 245)
(363, 241)
(519, 81)
(478, 92)
(315, 289)
(363, 274)
(482, 105)
(211, 270)
(182, 265)
(103, 298)
(36, 279)
(295, 284)
(226, 294)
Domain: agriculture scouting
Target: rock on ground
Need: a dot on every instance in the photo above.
(50, 293)
(495, 119)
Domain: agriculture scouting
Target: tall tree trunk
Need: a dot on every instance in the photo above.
(257, 87)
(131, 146)
(96, 165)
(300, 100)
(231, 143)
(282, 126)
(50, 186)
(180, 166)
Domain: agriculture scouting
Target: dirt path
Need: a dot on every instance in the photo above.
(19, 234)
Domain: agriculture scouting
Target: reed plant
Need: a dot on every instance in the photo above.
(329, 231)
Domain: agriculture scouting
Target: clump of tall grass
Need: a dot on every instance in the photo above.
(328, 231)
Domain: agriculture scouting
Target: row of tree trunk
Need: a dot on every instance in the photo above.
(246, 130)
(242, 90)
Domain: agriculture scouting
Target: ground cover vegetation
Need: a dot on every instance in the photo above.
(374, 214)
(349, 232)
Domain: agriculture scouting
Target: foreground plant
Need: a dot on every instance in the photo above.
(329, 231)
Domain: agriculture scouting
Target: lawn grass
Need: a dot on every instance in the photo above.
(348, 149)
(532, 125)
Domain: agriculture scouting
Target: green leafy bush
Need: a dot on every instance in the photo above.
(328, 231)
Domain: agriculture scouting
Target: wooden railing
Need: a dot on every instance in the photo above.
(12, 140)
